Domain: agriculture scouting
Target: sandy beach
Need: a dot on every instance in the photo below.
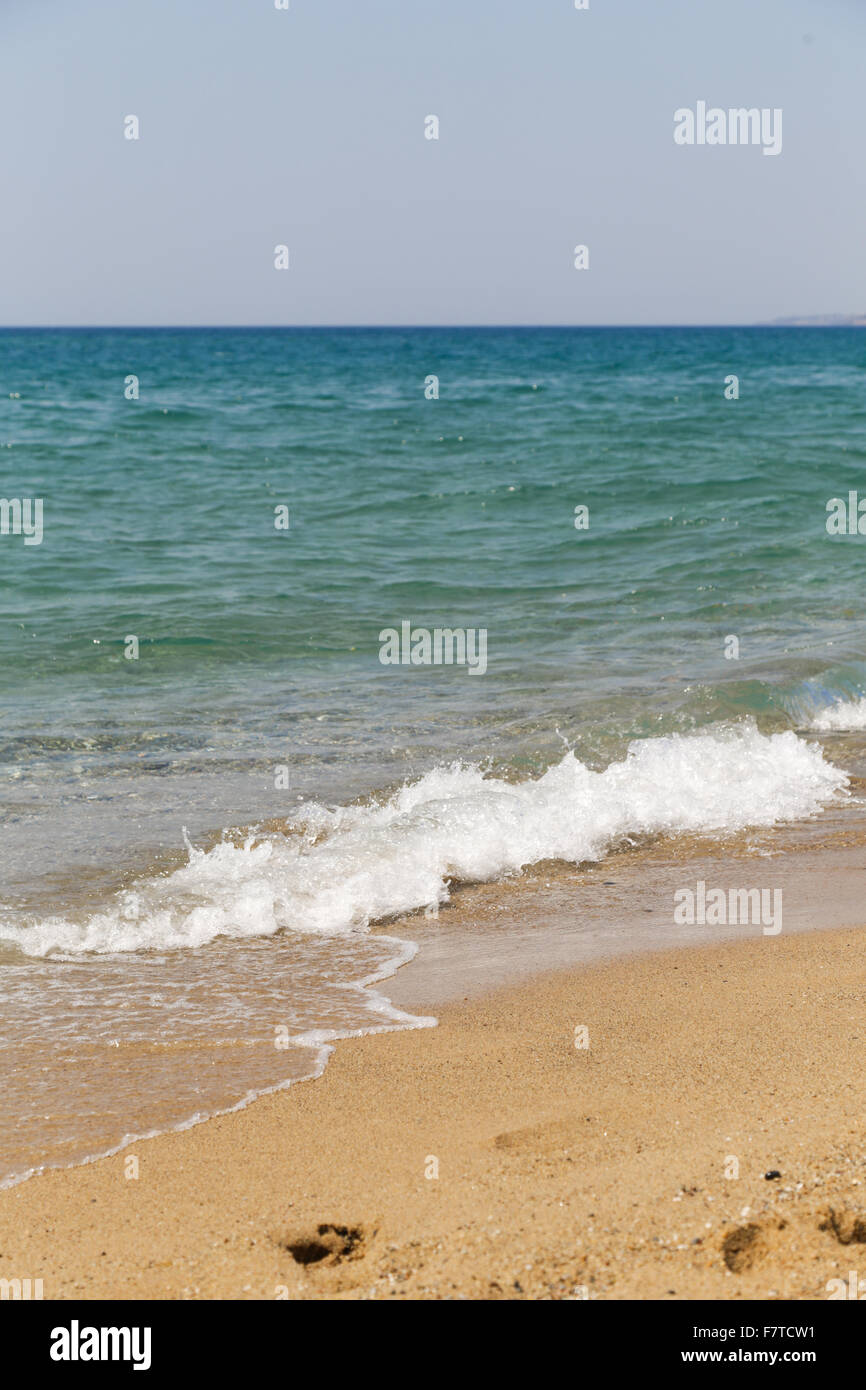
(432, 674)
(491, 1157)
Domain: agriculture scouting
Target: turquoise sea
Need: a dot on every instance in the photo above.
(199, 828)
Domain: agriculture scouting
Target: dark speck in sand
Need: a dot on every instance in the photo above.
(772, 1173)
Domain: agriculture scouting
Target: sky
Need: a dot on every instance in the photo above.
(305, 127)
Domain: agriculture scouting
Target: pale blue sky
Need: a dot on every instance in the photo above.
(307, 127)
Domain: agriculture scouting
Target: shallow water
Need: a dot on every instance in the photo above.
(148, 953)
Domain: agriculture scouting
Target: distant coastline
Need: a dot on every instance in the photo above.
(822, 321)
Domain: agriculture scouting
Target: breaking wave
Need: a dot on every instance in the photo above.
(338, 870)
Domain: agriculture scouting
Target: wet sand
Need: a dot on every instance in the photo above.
(491, 1157)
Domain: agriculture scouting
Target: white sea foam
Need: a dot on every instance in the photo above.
(342, 869)
(840, 717)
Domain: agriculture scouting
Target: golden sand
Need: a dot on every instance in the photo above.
(491, 1157)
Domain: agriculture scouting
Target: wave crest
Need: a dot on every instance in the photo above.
(344, 868)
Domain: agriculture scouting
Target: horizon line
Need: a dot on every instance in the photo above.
(816, 321)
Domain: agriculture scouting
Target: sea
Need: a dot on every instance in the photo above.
(219, 796)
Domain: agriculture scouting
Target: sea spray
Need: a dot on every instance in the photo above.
(337, 870)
